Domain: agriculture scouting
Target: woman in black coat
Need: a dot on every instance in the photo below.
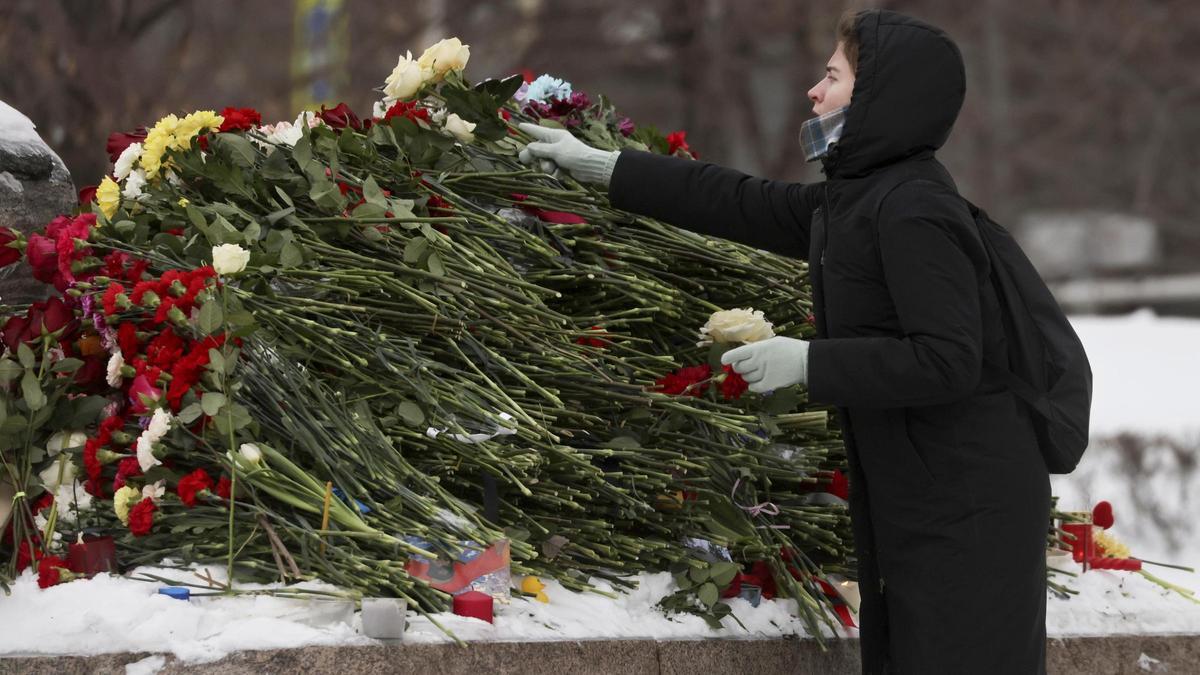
(949, 496)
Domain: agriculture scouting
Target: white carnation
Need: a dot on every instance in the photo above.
(124, 163)
(134, 184)
(115, 363)
(155, 492)
(160, 424)
(145, 454)
(735, 325)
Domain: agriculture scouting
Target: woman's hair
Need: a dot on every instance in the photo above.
(848, 36)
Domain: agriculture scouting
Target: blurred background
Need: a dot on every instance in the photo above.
(1080, 132)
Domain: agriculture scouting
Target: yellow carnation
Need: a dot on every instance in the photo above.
(108, 196)
(158, 139)
(123, 500)
(189, 126)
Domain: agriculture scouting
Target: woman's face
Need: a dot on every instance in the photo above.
(834, 90)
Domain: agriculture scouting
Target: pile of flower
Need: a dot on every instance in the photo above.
(300, 347)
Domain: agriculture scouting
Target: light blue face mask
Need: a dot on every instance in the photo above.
(818, 134)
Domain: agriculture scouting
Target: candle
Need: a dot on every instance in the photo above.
(474, 604)
(91, 554)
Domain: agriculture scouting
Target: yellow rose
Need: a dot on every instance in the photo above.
(443, 57)
(108, 196)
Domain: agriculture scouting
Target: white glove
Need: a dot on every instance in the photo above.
(558, 147)
(770, 364)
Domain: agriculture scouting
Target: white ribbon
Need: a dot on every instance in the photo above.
(475, 438)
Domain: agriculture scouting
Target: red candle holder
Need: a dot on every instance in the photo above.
(474, 604)
(97, 553)
(1082, 548)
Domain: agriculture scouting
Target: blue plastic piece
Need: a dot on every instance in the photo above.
(177, 592)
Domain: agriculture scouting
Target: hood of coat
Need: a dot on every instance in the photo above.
(908, 90)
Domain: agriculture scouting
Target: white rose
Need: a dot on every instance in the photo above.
(124, 163)
(735, 325)
(115, 363)
(49, 475)
(251, 453)
(145, 454)
(460, 128)
(64, 440)
(229, 258)
(405, 80)
(443, 57)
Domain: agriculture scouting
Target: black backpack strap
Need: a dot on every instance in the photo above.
(1036, 399)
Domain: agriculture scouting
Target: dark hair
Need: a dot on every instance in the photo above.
(848, 36)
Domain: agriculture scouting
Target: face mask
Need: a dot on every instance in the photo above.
(818, 134)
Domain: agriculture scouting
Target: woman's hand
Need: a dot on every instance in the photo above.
(557, 147)
(770, 364)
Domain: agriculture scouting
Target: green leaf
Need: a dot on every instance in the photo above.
(190, 414)
(435, 264)
(216, 361)
(211, 402)
(411, 413)
(290, 255)
(237, 148)
(325, 193)
(782, 401)
(415, 248)
(287, 199)
(9, 371)
(302, 152)
(31, 389)
(724, 572)
(622, 443)
(68, 365)
(253, 231)
(683, 581)
(25, 355)
(211, 317)
(373, 194)
(197, 217)
(86, 411)
(708, 594)
(501, 90)
(698, 574)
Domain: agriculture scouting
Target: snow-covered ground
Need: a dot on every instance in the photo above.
(1143, 377)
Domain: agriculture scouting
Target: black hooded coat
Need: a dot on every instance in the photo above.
(949, 496)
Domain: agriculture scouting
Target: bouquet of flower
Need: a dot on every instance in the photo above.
(296, 347)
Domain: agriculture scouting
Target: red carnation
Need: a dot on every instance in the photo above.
(193, 483)
(240, 119)
(127, 468)
(24, 556)
(8, 253)
(680, 381)
(677, 141)
(593, 341)
(141, 517)
(839, 485)
(50, 571)
(110, 298)
(119, 140)
(223, 486)
(733, 386)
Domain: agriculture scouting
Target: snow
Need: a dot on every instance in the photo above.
(17, 132)
(1143, 373)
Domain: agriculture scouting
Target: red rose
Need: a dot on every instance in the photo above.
(42, 253)
(50, 571)
(408, 110)
(1102, 515)
(733, 386)
(340, 117)
(16, 331)
(87, 194)
(9, 254)
(141, 517)
(839, 485)
(119, 140)
(240, 119)
(193, 483)
(92, 375)
(56, 315)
